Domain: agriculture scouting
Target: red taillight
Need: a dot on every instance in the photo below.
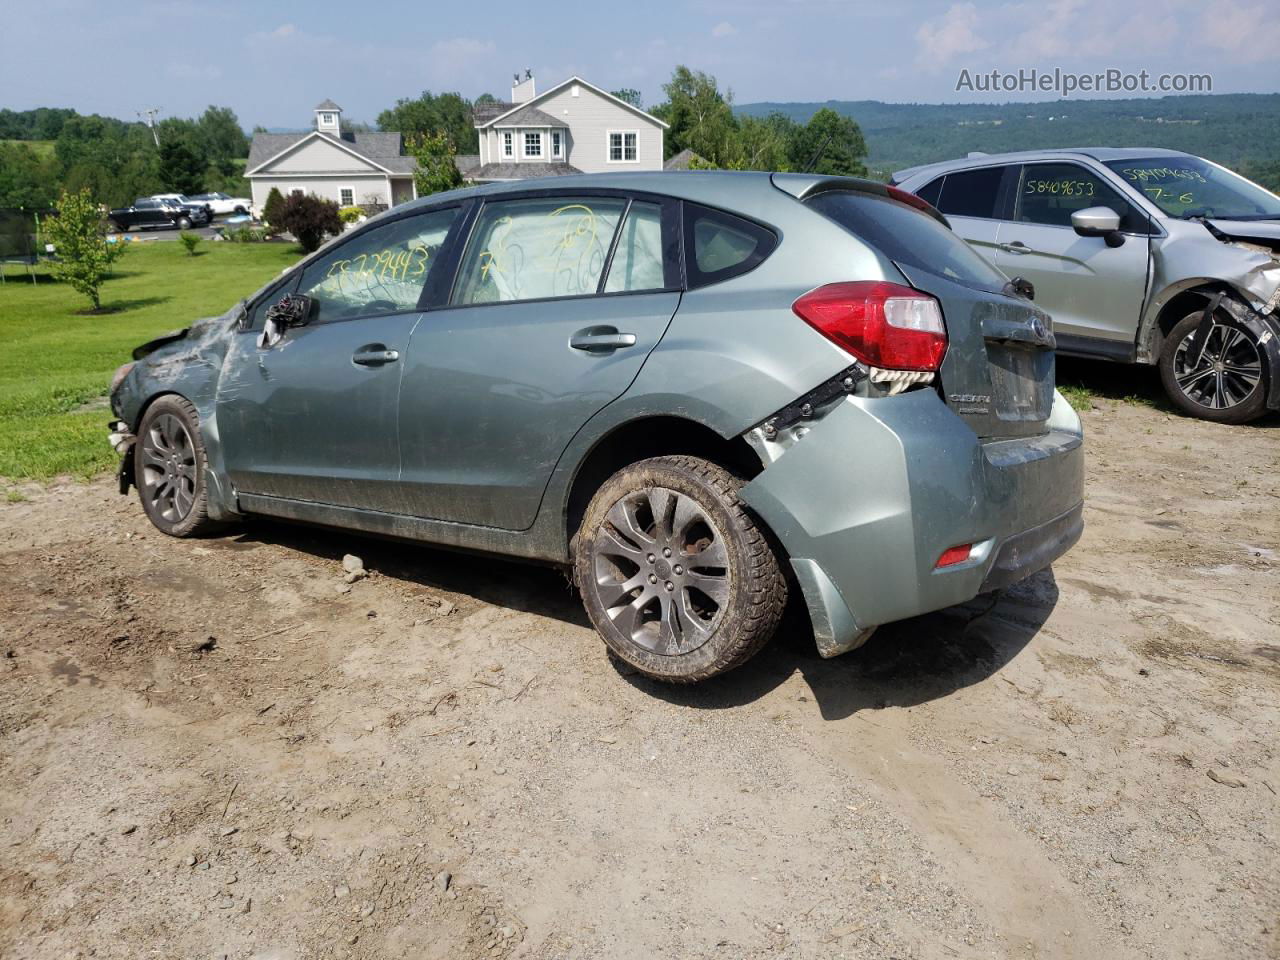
(883, 324)
(953, 555)
(911, 200)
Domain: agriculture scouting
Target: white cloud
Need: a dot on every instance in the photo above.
(284, 30)
(723, 29)
(942, 39)
(1251, 34)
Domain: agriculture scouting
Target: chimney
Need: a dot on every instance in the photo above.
(522, 89)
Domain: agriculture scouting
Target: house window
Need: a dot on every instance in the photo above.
(533, 144)
(557, 144)
(508, 144)
(296, 193)
(622, 146)
(347, 197)
(326, 118)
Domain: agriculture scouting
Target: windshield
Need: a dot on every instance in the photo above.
(1187, 187)
(908, 236)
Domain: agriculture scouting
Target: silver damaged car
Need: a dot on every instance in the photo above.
(1140, 255)
(699, 393)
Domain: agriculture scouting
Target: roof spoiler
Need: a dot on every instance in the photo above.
(803, 186)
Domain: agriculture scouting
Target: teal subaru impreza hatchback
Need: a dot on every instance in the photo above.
(700, 392)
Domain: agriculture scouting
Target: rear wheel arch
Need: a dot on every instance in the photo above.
(643, 439)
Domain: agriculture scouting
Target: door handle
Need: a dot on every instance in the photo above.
(601, 339)
(1015, 246)
(374, 355)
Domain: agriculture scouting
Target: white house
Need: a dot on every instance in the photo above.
(574, 127)
(348, 168)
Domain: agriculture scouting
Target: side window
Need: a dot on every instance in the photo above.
(719, 246)
(638, 262)
(971, 193)
(380, 271)
(931, 191)
(1049, 193)
(537, 248)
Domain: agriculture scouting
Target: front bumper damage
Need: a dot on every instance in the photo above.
(866, 501)
(122, 440)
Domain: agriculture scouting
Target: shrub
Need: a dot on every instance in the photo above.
(310, 219)
(274, 206)
(190, 241)
(244, 234)
(350, 214)
(437, 164)
(79, 238)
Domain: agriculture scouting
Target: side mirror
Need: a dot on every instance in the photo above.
(292, 310)
(1098, 222)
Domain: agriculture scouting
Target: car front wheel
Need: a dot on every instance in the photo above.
(675, 574)
(169, 468)
(184, 223)
(1226, 383)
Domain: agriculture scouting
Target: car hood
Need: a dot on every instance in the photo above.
(1266, 232)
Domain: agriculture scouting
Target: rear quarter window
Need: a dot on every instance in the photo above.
(908, 236)
(719, 246)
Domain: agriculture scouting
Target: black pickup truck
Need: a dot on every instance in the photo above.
(146, 212)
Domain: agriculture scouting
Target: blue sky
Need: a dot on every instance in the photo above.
(273, 60)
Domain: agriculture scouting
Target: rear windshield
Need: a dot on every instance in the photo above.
(908, 236)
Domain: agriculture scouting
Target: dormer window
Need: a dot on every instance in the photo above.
(532, 144)
(557, 144)
(508, 144)
(327, 119)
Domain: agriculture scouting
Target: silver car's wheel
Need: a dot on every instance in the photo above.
(1226, 382)
(661, 571)
(168, 480)
(674, 572)
(169, 466)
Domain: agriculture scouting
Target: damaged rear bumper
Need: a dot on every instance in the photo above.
(876, 490)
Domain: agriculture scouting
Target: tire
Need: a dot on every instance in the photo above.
(184, 223)
(238, 210)
(677, 622)
(169, 466)
(1229, 384)
(120, 227)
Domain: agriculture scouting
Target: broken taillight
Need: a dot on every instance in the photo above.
(883, 324)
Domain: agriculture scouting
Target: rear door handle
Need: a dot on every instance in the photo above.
(1015, 246)
(601, 339)
(374, 355)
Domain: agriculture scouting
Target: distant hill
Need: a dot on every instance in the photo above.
(1238, 130)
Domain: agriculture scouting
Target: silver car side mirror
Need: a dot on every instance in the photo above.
(1096, 222)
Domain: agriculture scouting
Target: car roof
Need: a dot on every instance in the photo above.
(1101, 154)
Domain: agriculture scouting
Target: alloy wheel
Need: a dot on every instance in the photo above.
(1228, 372)
(661, 571)
(168, 468)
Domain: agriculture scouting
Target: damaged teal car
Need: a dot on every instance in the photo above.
(698, 392)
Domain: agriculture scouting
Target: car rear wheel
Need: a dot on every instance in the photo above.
(1227, 382)
(120, 227)
(169, 468)
(675, 574)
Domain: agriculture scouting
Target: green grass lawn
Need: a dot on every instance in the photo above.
(55, 359)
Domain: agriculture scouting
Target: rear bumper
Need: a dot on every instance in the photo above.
(867, 501)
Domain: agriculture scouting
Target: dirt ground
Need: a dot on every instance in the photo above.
(208, 750)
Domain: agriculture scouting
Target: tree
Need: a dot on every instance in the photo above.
(700, 117)
(79, 237)
(310, 219)
(181, 171)
(629, 95)
(437, 168)
(27, 179)
(274, 207)
(835, 140)
(219, 137)
(433, 113)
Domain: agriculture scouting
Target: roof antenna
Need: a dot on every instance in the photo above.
(808, 167)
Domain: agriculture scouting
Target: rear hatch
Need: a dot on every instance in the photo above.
(998, 371)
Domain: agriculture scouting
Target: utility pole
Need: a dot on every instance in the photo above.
(149, 118)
